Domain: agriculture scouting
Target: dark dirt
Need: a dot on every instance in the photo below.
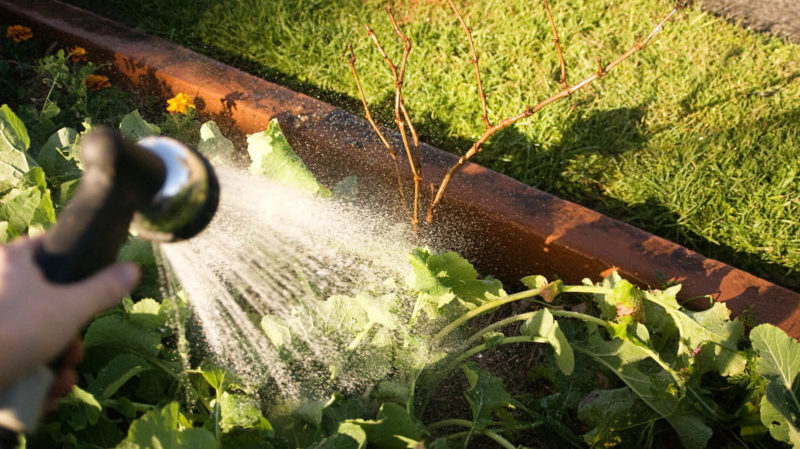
(778, 17)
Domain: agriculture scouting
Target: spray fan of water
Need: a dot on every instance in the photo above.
(274, 250)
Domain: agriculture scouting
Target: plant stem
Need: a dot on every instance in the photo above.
(468, 424)
(563, 63)
(377, 130)
(479, 310)
(516, 297)
(524, 316)
(485, 116)
(138, 406)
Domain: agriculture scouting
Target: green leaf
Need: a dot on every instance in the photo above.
(273, 158)
(214, 145)
(542, 324)
(134, 127)
(445, 277)
(239, 411)
(712, 328)
(115, 331)
(608, 411)
(215, 376)
(115, 374)
(14, 142)
(55, 156)
(13, 133)
(779, 362)
(28, 204)
(6, 234)
(79, 409)
(159, 429)
(148, 313)
(656, 387)
(347, 436)
(277, 331)
(485, 395)
(392, 423)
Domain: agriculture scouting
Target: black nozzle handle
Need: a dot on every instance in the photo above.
(118, 178)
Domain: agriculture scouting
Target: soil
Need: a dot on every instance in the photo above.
(778, 17)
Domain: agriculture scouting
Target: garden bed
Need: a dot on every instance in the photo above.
(508, 229)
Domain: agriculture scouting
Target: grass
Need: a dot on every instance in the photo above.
(696, 139)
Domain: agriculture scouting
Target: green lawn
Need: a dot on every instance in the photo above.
(696, 139)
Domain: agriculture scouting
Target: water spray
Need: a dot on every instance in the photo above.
(159, 187)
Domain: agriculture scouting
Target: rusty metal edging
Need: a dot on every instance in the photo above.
(507, 228)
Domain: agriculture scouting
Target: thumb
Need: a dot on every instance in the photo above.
(103, 289)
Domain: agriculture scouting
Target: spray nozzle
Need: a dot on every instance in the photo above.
(167, 190)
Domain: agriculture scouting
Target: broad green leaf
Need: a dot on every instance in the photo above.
(134, 127)
(116, 331)
(55, 156)
(691, 428)
(485, 395)
(392, 423)
(347, 436)
(606, 412)
(148, 313)
(621, 357)
(14, 143)
(6, 234)
(719, 352)
(712, 328)
(79, 408)
(542, 324)
(13, 133)
(379, 309)
(115, 374)
(779, 363)
(340, 441)
(445, 277)
(159, 429)
(239, 411)
(215, 377)
(277, 331)
(273, 158)
(214, 145)
(29, 204)
(658, 389)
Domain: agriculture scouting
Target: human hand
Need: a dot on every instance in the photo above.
(38, 318)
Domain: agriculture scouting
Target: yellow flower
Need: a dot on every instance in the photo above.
(78, 54)
(180, 103)
(19, 33)
(97, 82)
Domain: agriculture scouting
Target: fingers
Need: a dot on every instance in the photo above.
(65, 376)
(102, 290)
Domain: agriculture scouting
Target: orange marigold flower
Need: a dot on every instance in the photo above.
(180, 103)
(78, 54)
(97, 82)
(19, 33)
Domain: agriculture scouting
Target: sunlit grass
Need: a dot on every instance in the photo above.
(696, 139)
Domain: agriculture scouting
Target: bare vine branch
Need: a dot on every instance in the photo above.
(375, 127)
(485, 117)
(401, 116)
(489, 132)
(563, 63)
